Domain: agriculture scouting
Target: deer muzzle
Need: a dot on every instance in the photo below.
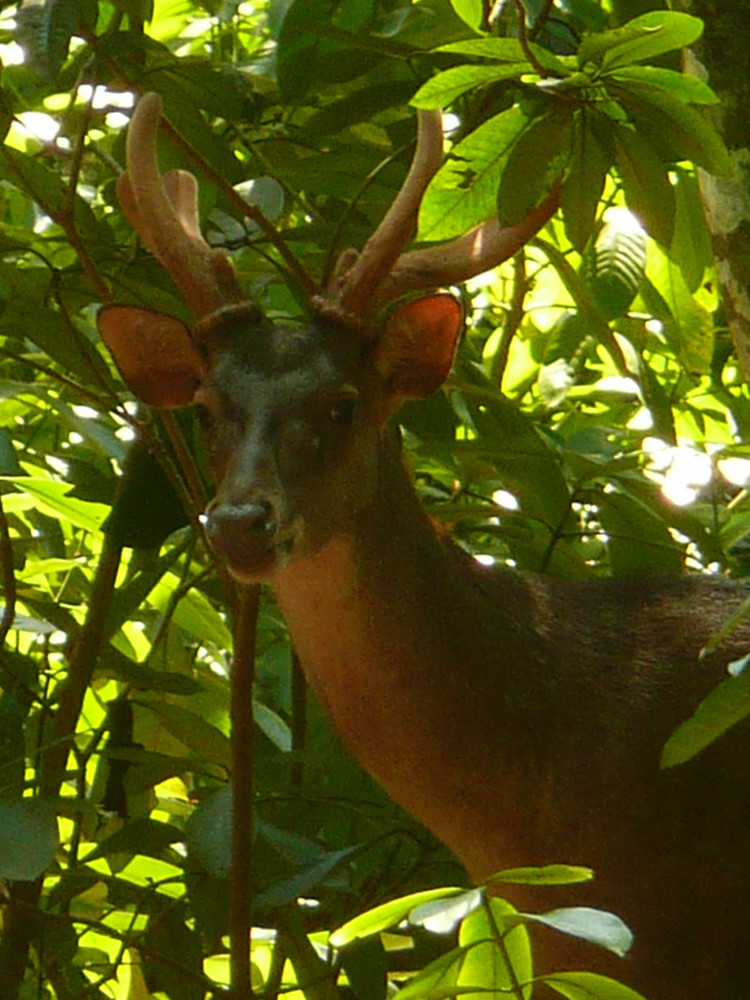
(253, 538)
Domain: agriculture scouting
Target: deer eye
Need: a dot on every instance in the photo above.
(343, 411)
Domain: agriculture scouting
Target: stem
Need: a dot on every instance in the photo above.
(240, 881)
(244, 207)
(523, 39)
(8, 577)
(21, 917)
(513, 319)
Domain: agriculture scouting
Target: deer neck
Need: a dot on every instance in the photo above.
(390, 623)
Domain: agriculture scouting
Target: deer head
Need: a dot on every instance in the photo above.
(294, 417)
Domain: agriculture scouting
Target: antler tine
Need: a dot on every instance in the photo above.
(381, 273)
(482, 248)
(163, 210)
(357, 276)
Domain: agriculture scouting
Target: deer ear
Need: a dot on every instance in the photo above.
(155, 354)
(418, 344)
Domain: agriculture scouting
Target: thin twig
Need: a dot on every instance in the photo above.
(240, 882)
(513, 319)
(523, 39)
(8, 576)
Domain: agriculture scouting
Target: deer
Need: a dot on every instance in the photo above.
(520, 718)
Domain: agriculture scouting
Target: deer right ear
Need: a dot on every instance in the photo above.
(154, 353)
(416, 350)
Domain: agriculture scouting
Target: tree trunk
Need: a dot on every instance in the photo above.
(721, 57)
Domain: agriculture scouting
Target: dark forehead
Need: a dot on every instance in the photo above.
(293, 361)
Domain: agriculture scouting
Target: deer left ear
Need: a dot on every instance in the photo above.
(417, 346)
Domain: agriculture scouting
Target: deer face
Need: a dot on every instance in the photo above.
(292, 425)
(293, 418)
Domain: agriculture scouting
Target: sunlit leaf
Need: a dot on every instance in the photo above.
(596, 926)
(470, 11)
(387, 915)
(688, 89)
(496, 958)
(53, 496)
(588, 986)
(724, 707)
(642, 38)
(464, 191)
(444, 88)
(547, 875)
(687, 323)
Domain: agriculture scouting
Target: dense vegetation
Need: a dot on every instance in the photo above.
(594, 425)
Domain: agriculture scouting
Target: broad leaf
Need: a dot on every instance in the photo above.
(443, 89)
(28, 838)
(547, 875)
(464, 190)
(596, 926)
(643, 38)
(584, 181)
(534, 162)
(588, 986)
(648, 191)
(724, 707)
(387, 915)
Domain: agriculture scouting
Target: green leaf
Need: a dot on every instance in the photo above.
(306, 880)
(584, 181)
(441, 916)
(648, 192)
(688, 89)
(595, 926)
(463, 193)
(471, 12)
(194, 731)
(194, 612)
(588, 986)
(691, 248)
(362, 103)
(28, 838)
(581, 294)
(507, 50)
(495, 958)
(547, 875)
(144, 836)
(687, 324)
(13, 714)
(724, 707)
(682, 130)
(618, 263)
(644, 37)
(208, 833)
(535, 160)
(53, 498)
(443, 89)
(45, 31)
(386, 915)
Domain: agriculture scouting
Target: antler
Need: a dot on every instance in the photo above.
(163, 210)
(381, 273)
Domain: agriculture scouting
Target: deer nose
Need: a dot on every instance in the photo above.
(242, 534)
(256, 517)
